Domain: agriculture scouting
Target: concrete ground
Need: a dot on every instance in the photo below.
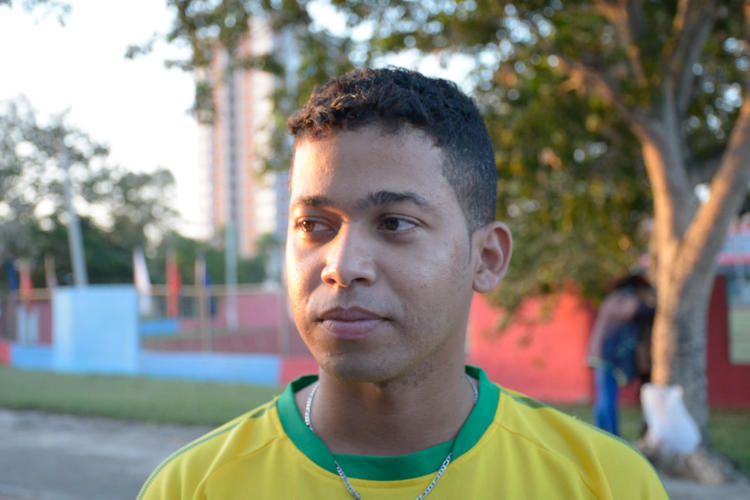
(62, 457)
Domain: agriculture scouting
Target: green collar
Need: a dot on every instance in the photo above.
(415, 464)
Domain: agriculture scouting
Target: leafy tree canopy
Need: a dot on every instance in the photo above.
(187, 251)
(118, 209)
(61, 9)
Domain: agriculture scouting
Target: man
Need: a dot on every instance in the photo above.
(391, 231)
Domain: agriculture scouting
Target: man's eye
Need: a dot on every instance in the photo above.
(396, 224)
(311, 226)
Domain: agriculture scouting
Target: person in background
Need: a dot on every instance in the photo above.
(619, 345)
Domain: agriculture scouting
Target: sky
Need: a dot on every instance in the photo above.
(137, 107)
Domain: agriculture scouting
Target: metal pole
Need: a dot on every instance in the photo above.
(75, 240)
(203, 304)
(230, 232)
(231, 276)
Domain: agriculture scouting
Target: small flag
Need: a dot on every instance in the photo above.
(27, 287)
(212, 301)
(200, 271)
(10, 270)
(142, 282)
(203, 280)
(50, 276)
(174, 284)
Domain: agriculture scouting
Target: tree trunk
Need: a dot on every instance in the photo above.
(679, 338)
(688, 239)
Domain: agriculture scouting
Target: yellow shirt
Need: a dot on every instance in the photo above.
(510, 447)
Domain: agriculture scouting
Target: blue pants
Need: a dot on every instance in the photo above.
(605, 404)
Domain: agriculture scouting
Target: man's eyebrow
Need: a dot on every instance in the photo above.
(380, 198)
(312, 201)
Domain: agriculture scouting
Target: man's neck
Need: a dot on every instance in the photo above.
(393, 418)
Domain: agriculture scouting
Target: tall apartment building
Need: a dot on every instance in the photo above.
(235, 192)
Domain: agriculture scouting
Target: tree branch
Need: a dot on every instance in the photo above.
(637, 19)
(706, 234)
(692, 26)
(586, 76)
(701, 172)
(683, 7)
(628, 19)
(589, 77)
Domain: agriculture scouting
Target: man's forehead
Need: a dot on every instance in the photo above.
(397, 136)
(366, 167)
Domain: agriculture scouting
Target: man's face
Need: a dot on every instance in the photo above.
(378, 257)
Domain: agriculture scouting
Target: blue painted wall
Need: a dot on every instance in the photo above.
(164, 326)
(31, 357)
(260, 369)
(96, 329)
(256, 369)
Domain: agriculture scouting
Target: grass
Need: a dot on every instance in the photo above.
(132, 398)
(730, 430)
(187, 402)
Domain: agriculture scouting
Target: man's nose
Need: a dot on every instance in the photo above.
(349, 259)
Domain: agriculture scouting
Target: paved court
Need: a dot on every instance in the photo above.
(62, 457)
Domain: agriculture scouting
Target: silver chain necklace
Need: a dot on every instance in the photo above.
(342, 475)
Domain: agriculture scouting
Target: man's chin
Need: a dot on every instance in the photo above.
(351, 370)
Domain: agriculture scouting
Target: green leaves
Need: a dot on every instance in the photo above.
(61, 9)
(117, 208)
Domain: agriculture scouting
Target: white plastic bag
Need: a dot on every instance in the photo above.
(671, 429)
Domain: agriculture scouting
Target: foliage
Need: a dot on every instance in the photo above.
(117, 209)
(60, 9)
(108, 258)
(572, 188)
(187, 250)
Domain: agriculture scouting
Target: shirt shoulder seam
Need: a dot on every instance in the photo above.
(201, 440)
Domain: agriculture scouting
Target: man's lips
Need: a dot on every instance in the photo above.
(348, 314)
(350, 322)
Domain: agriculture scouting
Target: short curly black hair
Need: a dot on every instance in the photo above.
(392, 98)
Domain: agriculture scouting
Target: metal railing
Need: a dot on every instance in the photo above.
(247, 318)
(27, 318)
(204, 319)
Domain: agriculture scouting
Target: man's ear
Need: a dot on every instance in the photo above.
(493, 245)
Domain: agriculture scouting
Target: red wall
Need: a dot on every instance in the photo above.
(543, 358)
(546, 358)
